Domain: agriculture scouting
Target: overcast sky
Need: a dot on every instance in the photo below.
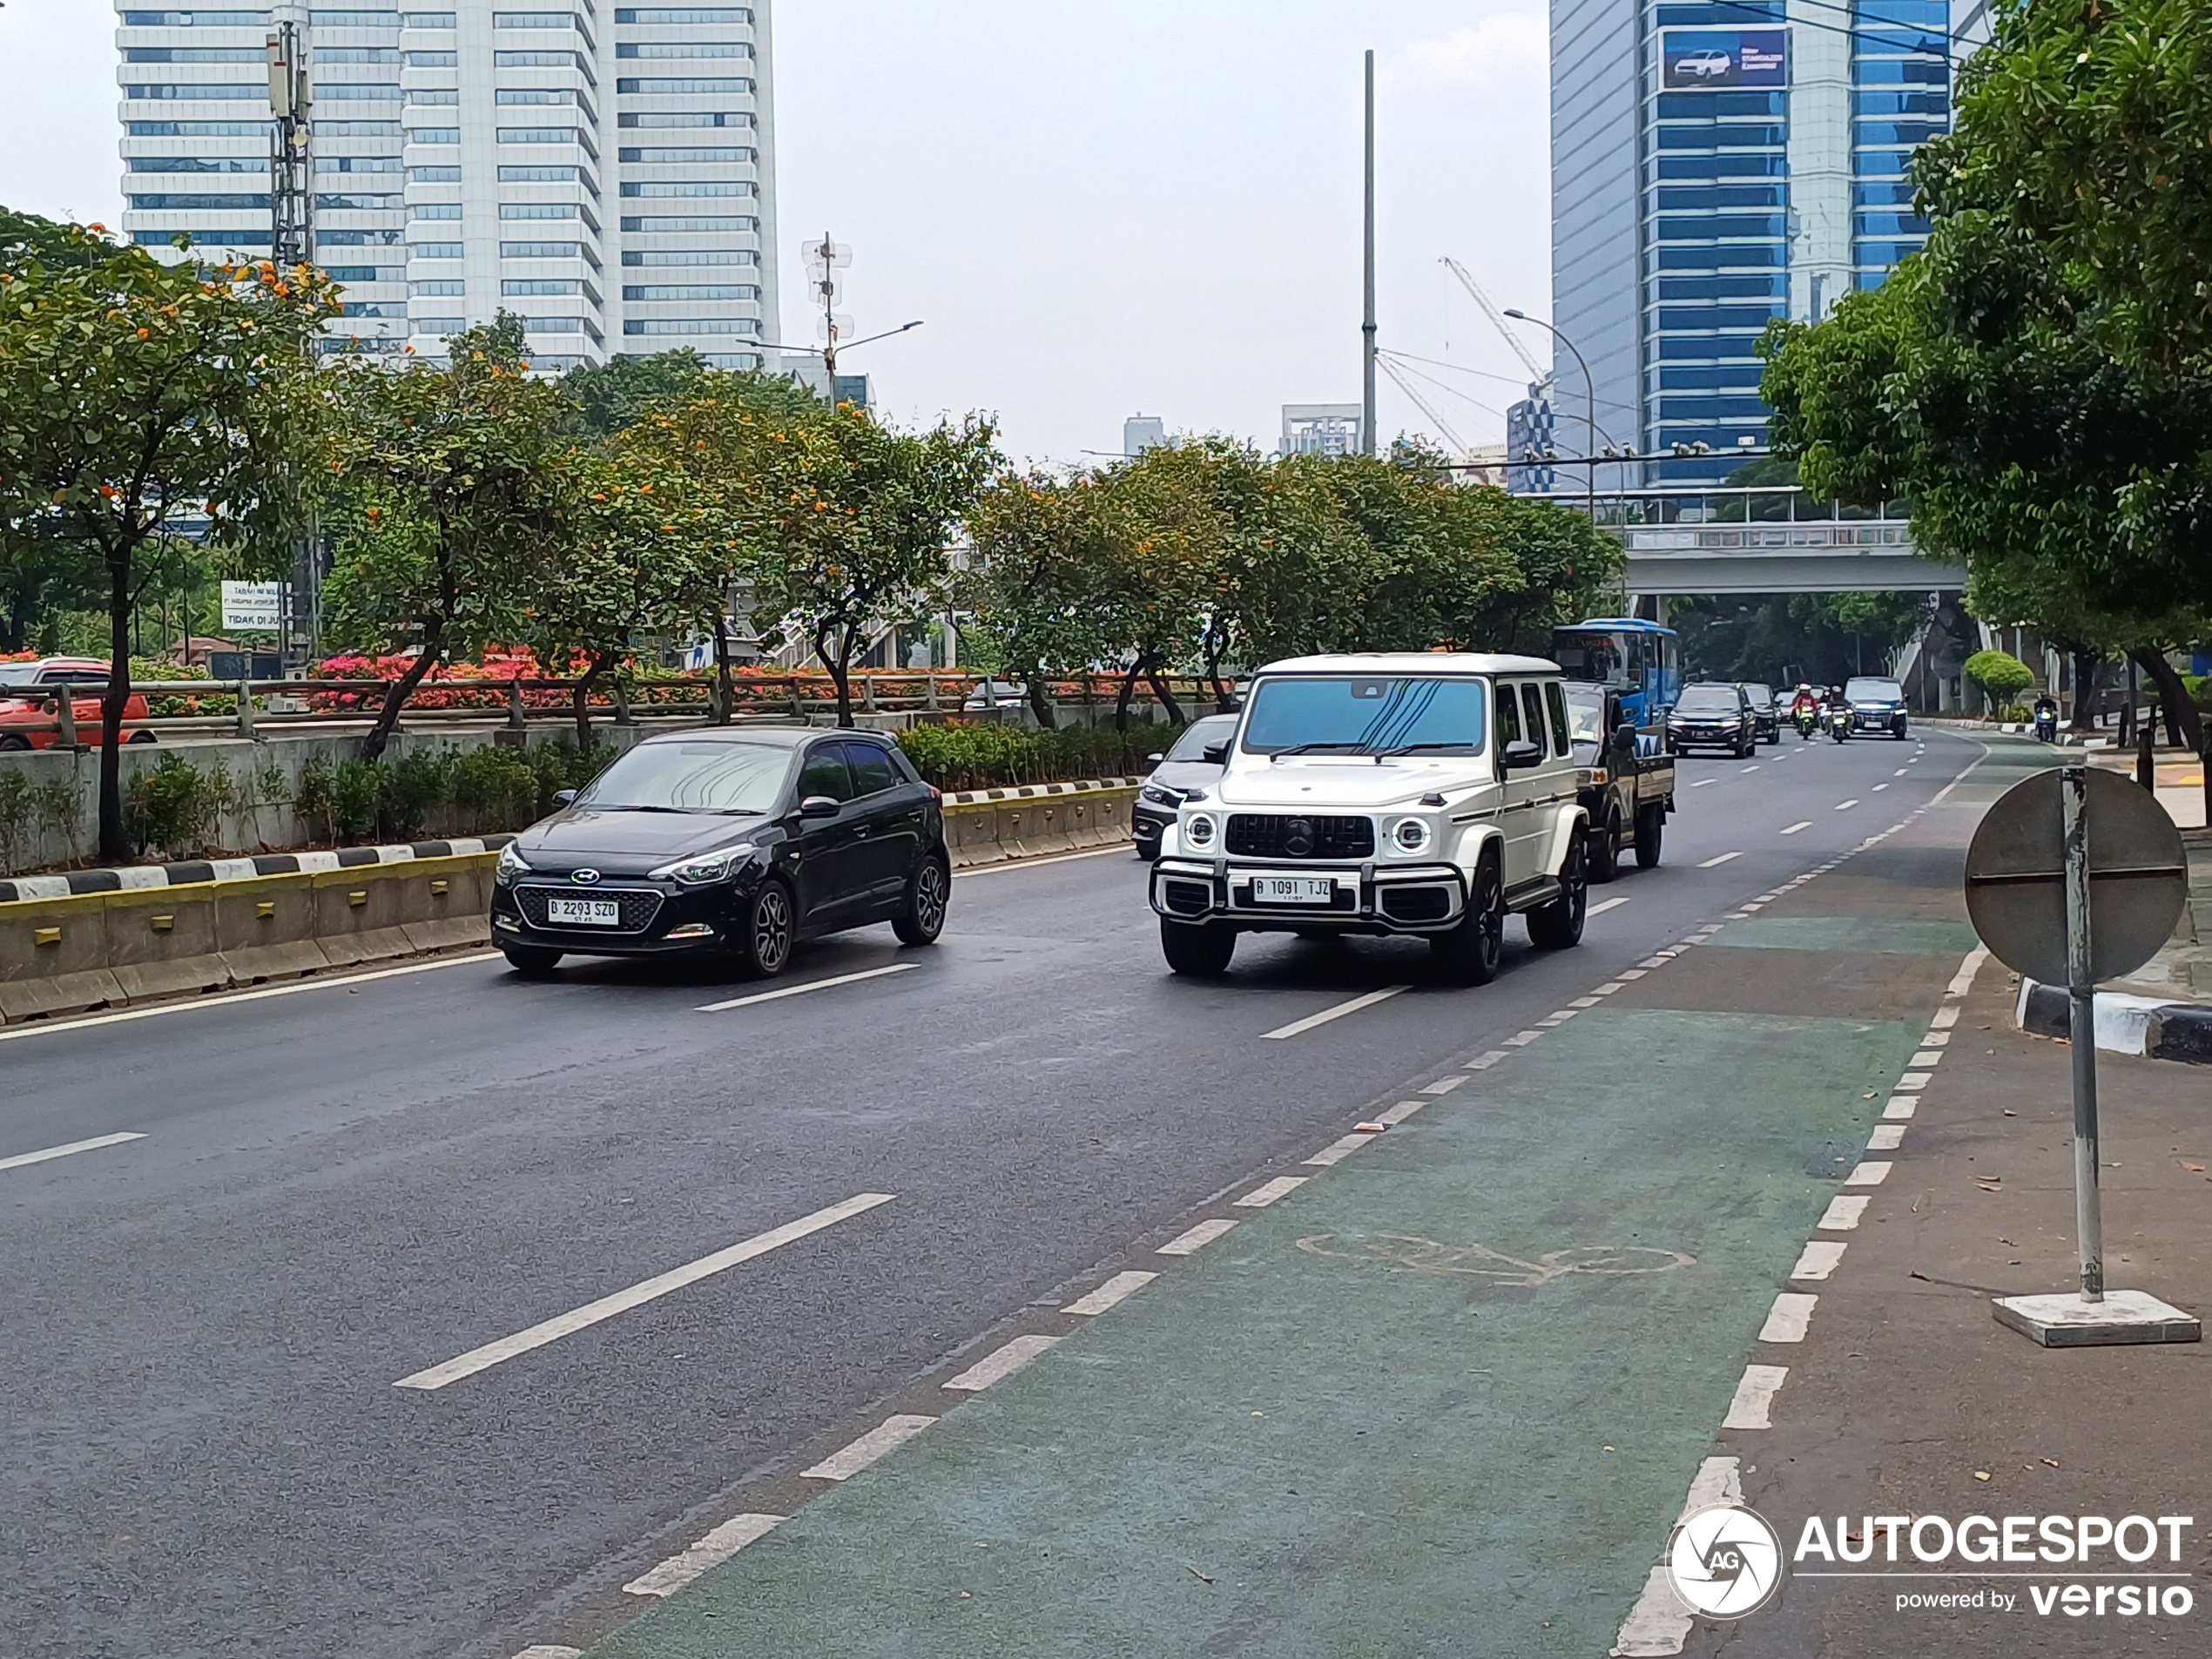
(1097, 209)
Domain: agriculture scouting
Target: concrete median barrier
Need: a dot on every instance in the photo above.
(1036, 820)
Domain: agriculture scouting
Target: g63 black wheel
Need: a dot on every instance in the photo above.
(1558, 924)
(929, 891)
(764, 945)
(1202, 949)
(1470, 953)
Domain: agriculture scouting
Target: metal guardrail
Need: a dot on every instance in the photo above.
(794, 695)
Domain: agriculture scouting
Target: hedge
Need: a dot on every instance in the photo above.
(992, 757)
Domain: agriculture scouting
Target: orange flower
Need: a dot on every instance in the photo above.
(107, 491)
(145, 334)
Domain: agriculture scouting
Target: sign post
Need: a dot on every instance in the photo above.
(2085, 891)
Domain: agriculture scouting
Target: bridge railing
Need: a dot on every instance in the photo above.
(1702, 504)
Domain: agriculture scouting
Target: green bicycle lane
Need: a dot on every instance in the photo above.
(1444, 1398)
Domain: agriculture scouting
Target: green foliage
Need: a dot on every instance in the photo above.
(1822, 638)
(989, 756)
(1999, 674)
(28, 809)
(624, 390)
(172, 805)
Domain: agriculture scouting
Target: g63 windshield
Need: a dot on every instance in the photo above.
(1367, 716)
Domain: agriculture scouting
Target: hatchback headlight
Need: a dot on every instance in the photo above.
(707, 869)
(1410, 834)
(511, 865)
(1198, 829)
(1160, 795)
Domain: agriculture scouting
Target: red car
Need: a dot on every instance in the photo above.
(27, 702)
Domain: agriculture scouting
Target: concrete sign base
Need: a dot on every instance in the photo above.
(2067, 1321)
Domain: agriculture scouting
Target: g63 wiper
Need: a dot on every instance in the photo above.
(1309, 748)
(1410, 748)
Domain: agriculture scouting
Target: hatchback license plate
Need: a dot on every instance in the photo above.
(587, 912)
(1292, 889)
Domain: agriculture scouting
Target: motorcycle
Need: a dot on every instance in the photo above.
(1808, 722)
(2047, 725)
(1839, 723)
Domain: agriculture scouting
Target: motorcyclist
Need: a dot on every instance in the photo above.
(2046, 717)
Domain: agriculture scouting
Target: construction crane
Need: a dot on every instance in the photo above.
(1536, 370)
(1404, 383)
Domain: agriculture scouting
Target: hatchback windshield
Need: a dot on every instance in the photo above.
(1367, 715)
(693, 778)
(1201, 736)
(1709, 699)
(1871, 690)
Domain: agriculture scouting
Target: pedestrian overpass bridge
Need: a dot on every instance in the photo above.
(1685, 540)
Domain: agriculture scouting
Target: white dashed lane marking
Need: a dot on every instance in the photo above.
(1705, 783)
(1820, 1258)
(607, 1307)
(1845, 806)
(1353, 1006)
(1002, 1363)
(1794, 828)
(1753, 1406)
(800, 991)
(712, 1550)
(1115, 1288)
(885, 1438)
(48, 1154)
(1843, 1213)
(1788, 1318)
(1204, 1233)
(1715, 862)
(1602, 906)
(1267, 1193)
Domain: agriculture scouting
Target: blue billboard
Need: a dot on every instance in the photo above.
(1693, 60)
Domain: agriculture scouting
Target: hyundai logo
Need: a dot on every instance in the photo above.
(586, 878)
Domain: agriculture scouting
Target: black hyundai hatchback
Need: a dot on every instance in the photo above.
(739, 843)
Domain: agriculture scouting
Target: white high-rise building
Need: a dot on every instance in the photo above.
(608, 175)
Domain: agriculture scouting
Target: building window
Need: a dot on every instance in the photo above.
(517, 286)
(352, 164)
(437, 209)
(195, 20)
(684, 49)
(424, 250)
(358, 273)
(228, 92)
(433, 60)
(542, 60)
(357, 129)
(538, 250)
(357, 54)
(538, 210)
(447, 289)
(694, 290)
(365, 238)
(354, 202)
(693, 187)
(203, 238)
(652, 87)
(199, 164)
(688, 119)
(432, 19)
(690, 325)
(203, 129)
(192, 55)
(434, 175)
(673, 155)
(534, 20)
(538, 175)
(683, 14)
(656, 224)
(537, 135)
(440, 325)
(688, 256)
(434, 135)
(432, 95)
(166, 202)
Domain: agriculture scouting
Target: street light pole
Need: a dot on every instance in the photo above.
(1367, 315)
(1589, 407)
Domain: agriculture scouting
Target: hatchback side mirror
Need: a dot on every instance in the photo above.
(819, 806)
(1155, 758)
(564, 798)
(1522, 755)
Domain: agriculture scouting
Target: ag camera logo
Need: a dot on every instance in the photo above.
(1725, 1562)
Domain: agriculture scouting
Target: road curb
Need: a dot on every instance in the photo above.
(192, 872)
(2137, 1025)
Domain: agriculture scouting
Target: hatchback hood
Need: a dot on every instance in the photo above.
(628, 840)
(1321, 785)
(1185, 774)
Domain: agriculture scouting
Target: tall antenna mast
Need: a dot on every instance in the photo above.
(1368, 316)
(824, 260)
(292, 201)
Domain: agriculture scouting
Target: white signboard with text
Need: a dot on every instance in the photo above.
(253, 607)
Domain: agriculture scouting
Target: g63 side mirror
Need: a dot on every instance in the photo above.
(1522, 755)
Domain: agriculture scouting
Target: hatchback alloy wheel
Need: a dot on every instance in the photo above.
(768, 930)
(928, 895)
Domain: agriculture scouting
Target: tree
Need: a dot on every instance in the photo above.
(2001, 676)
(2035, 381)
(851, 520)
(1035, 585)
(641, 553)
(446, 496)
(145, 401)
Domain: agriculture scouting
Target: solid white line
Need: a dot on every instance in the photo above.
(1845, 806)
(1867, 1174)
(1886, 1137)
(646, 1291)
(1788, 1318)
(1820, 1258)
(885, 1437)
(1122, 847)
(801, 990)
(1204, 1233)
(712, 1550)
(1001, 1364)
(230, 998)
(1335, 1013)
(1753, 1406)
(1702, 782)
(1114, 1290)
(93, 1145)
(1715, 863)
(1260, 1196)
(1602, 906)
(1843, 1213)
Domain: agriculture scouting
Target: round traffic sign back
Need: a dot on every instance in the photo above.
(2016, 877)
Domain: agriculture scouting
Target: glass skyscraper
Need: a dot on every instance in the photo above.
(1715, 165)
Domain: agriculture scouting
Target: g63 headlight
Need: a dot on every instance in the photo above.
(1410, 834)
(511, 864)
(707, 869)
(1198, 829)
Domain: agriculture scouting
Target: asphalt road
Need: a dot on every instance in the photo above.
(348, 1185)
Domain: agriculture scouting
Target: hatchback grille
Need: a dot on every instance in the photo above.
(639, 907)
(1292, 835)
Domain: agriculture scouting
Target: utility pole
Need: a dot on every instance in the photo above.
(824, 259)
(290, 168)
(1368, 316)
